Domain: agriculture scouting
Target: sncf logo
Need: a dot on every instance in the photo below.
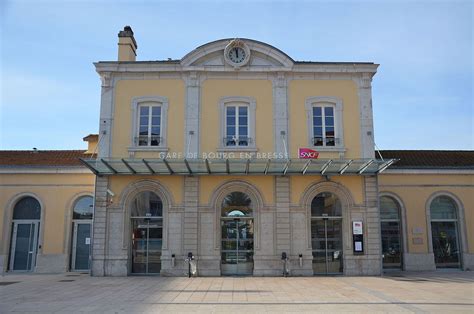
(306, 153)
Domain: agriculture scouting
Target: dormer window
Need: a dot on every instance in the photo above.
(324, 122)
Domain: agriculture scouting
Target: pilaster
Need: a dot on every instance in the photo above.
(99, 227)
(282, 194)
(106, 115)
(366, 116)
(191, 198)
(280, 114)
(192, 112)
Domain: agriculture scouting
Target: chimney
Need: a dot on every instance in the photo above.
(127, 46)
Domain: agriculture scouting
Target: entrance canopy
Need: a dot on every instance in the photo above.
(115, 166)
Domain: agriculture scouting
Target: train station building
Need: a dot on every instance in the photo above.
(238, 154)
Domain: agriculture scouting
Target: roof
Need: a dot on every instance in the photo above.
(91, 137)
(41, 158)
(429, 159)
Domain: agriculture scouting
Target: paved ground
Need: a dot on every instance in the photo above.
(396, 292)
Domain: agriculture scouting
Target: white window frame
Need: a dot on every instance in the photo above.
(237, 101)
(336, 103)
(153, 101)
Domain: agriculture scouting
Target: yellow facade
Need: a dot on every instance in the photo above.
(57, 194)
(282, 221)
(300, 90)
(214, 90)
(126, 90)
(415, 190)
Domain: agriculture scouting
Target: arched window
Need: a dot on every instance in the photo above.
(27, 208)
(84, 208)
(25, 232)
(443, 207)
(444, 232)
(237, 204)
(390, 227)
(326, 204)
(147, 204)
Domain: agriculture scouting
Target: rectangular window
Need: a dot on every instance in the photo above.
(323, 126)
(237, 126)
(149, 126)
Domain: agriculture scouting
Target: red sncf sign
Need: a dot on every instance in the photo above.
(306, 153)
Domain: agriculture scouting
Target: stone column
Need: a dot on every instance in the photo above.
(370, 262)
(191, 199)
(282, 194)
(99, 227)
(106, 115)
(280, 114)
(192, 110)
(366, 116)
(373, 243)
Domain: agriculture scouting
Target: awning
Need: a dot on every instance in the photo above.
(149, 166)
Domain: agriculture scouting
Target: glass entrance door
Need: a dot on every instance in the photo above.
(445, 244)
(81, 246)
(24, 245)
(326, 238)
(237, 246)
(147, 237)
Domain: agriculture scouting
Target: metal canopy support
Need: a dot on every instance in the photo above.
(108, 166)
(344, 168)
(326, 166)
(306, 166)
(267, 166)
(89, 166)
(208, 167)
(148, 166)
(365, 166)
(128, 166)
(187, 166)
(169, 168)
(287, 165)
(386, 165)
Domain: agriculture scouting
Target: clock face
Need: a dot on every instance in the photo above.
(237, 54)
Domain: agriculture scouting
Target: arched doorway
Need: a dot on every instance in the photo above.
(147, 233)
(390, 228)
(82, 215)
(326, 234)
(237, 233)
(445, 232)
(25, 231)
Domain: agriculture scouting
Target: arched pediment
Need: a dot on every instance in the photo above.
(261, 55)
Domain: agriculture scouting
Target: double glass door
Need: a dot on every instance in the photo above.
(237, 246)
(326, 238)
(445, 244)
(391, 244)
(24, 245)
(147, 238)
(81, 246)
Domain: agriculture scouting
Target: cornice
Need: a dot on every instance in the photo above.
(157, 67)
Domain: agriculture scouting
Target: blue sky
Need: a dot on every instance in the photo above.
(422, 93)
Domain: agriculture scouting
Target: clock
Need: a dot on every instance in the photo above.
(237, 53)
